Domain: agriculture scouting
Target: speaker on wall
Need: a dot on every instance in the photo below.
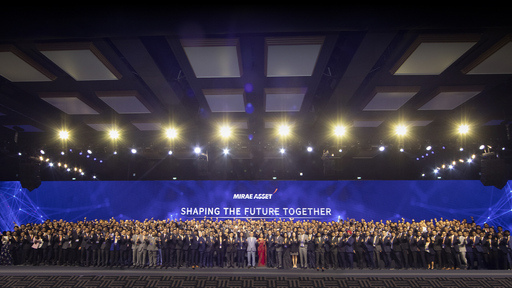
(30, 177)
(494, 171)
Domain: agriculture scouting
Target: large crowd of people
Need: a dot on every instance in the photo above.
(255, 243)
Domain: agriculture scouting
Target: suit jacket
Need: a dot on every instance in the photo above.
(251, 244)
(396, 244)
(359, 244)
(195, 243)
(230, 245)
(478, 245)
(368, 244)
(319, 244)
(327, 243)
(201, 242)
(279, 243)
(334, 244)
(438, 243)
(461, 244)
(377, 243)
(180, 241)
(271, 242)
(135, 241)
(413, 244)
(210, 242)
(386, 244)
(349, 244)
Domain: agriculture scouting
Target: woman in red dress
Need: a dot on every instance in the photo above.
(262, 251)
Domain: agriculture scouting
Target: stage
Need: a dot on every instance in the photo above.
(50, 276)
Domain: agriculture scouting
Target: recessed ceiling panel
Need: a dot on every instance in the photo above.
(284, 100)
(367, 124)
(213, 58)
(292, 57)
(388, 101)
(124, 103)
(448, 100)
(82, 61)
(100, 126)
(148, 126)
(431, 55)
(419, 123)
(69, 104)
(493, 123)
(496, 61)
(17, 67)
(225, 100)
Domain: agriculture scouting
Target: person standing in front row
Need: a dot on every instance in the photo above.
(279, 251)
(303, 249)
(251, 251)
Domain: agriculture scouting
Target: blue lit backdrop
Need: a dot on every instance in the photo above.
(369, 200)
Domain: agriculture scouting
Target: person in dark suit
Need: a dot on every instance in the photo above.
(369, 251)
(404, 245)
(57, 246)
(397, 250)
(438, 249)
(279, 251)
(420, 244)
(502, 243)
(180, 241)
(241, 247)
(311, 249)
(114, 249)
(47, 247)
(171, 247)
(447, 252)
(194, 251)
(27, 241)
(490, 248)
(320, 251)
(377, 249)
(187, 243)
(74, 252)
(231, 250)
(334, 250)
(165, 240)
(341, 250)
(470, 253)
(271, 249)
(209, 249)
(386, 251)
(201, 249)
(220, 248)
(66, 245)
(478, 247)
(85, 249)
(350, 250)
(414, 250)
(359, 250)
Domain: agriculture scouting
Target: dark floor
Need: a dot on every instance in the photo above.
(48, 276)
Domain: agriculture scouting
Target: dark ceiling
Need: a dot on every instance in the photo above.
(369, 68)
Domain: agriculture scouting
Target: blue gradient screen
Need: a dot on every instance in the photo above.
(298, 200)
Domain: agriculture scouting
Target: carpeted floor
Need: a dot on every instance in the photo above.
(89, 277)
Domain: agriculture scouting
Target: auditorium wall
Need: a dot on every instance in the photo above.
(298, 200)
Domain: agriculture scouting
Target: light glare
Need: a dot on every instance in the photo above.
(171, 133)
(339, 131)
(64, 135)
(463, 129)
(114, 134)
(401, 130)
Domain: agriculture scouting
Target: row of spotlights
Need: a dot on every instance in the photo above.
(283, 130)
